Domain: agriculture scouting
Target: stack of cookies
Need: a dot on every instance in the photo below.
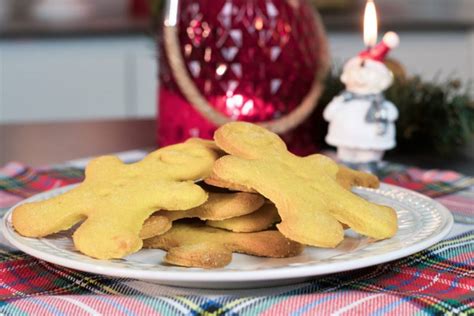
(203, 200)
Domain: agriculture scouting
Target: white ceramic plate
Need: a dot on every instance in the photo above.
(422, 223)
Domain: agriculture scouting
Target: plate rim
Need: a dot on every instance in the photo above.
(190, 275)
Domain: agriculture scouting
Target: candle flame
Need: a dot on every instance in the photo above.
(370, 24)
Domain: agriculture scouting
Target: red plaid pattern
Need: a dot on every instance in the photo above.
(439, 280)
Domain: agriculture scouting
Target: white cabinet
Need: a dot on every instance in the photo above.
(74, 79)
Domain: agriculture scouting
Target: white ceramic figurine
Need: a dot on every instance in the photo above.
(361, 121)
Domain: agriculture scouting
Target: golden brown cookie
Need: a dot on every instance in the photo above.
(310, 202)
(257, 221)
(115, 199)
(219, 206)
(346, 177)
(200, 246)
(210, 144)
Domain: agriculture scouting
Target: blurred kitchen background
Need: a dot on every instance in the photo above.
(74, 69)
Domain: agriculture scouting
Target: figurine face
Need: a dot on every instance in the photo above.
(366, 76)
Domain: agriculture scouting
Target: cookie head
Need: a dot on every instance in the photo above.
(185, 160)
(248, 140)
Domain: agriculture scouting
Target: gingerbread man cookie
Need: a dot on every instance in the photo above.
(195, 245)
(115, 199)
(310, 202)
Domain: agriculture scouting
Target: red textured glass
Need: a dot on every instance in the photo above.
(253, 60)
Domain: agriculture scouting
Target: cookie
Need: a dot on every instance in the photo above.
(257, 221)
(310, 201)
(209, 144)
(115, 199)
(214, 180)
(219, 206)
(156, 225)
(345, 176)
(191, 245)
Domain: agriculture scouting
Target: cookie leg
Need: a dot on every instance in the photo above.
(106, 239)
(348, 178)
(269, 243)
(369, 219)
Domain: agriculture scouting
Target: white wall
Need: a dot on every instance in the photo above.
(426, 53)
(93, 78)
(101, 78)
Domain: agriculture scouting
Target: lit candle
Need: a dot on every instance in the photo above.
(370, 24)
(361, 121)
(375, 51)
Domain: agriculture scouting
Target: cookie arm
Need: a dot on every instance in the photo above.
(39, 219)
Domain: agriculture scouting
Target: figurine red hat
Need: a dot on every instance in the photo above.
(379, 51)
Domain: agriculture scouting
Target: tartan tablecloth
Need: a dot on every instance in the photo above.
(439, 280)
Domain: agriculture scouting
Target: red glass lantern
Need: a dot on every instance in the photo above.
(253, 60)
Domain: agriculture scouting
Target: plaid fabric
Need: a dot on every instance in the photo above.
(452, 189)
(439, 280)
(433, 183)
(18, 181)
